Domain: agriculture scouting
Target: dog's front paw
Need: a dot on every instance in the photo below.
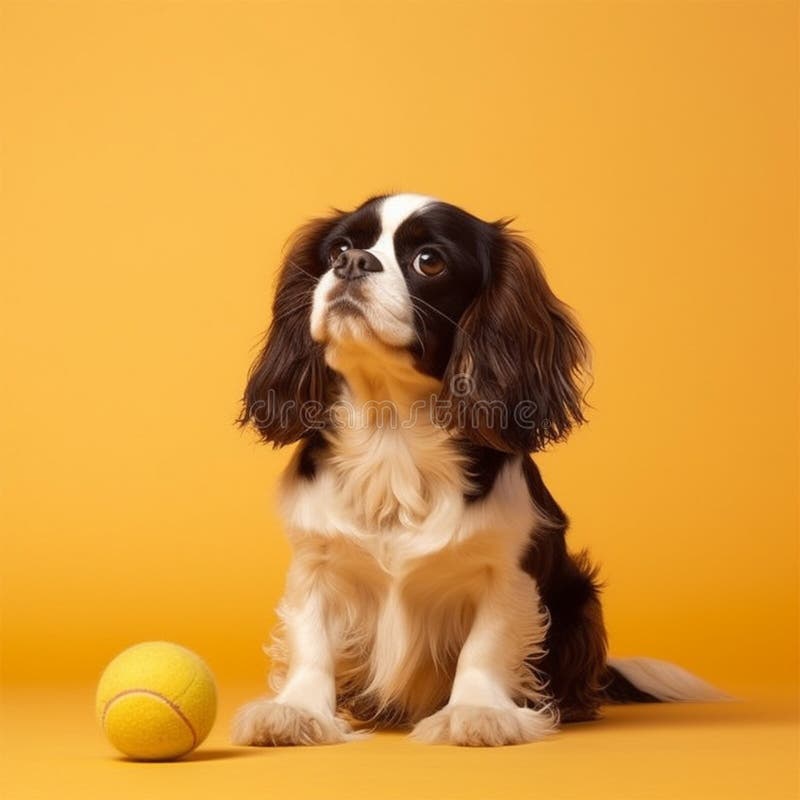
(483, 726)
(267, 722)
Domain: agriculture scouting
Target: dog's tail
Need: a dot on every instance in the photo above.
(648, 680)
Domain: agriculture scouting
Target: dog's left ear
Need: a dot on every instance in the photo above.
(288, 387)
(515, 378)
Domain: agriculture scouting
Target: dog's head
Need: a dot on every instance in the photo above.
(465, 300)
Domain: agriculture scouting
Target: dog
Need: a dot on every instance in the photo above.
(419, 356)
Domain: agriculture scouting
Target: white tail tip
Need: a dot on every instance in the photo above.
(665, 681)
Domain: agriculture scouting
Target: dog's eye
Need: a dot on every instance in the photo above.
(429, 262)
(337, 247)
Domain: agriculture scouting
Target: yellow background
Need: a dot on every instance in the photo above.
(157, 155)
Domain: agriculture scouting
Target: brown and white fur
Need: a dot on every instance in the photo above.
(418, 356)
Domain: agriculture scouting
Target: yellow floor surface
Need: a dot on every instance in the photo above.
(52, 748)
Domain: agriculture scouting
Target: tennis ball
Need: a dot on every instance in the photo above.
(156, 700)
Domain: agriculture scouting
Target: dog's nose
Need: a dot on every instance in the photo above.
(354, 264)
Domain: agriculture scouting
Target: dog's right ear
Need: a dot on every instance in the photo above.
(288, 387)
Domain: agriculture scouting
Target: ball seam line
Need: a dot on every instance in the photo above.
(160, 696)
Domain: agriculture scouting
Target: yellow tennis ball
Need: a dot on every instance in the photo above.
(156, 700)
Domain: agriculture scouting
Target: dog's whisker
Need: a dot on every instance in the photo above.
(419, 336)
(295, 265)
(439, 312)
(292, 311)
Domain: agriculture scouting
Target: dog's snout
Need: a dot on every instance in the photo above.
(354, 264)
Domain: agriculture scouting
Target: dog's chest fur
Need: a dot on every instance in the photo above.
(399, 492)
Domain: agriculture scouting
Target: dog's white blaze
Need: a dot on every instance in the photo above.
(395, 210)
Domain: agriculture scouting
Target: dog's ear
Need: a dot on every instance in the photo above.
(514, 379)
(289, 384)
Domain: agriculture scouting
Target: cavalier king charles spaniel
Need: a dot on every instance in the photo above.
(418, 356)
